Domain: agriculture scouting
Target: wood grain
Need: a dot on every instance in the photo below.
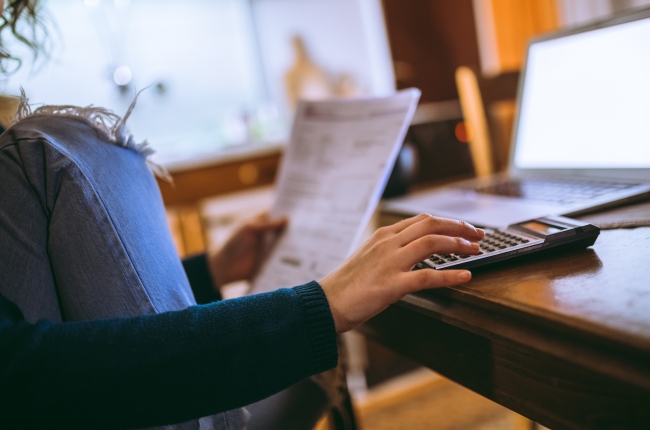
(193, 185)
(429, 39)
(604, 290)
(562, 338)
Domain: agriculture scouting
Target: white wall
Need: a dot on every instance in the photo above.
(201, 51)
(342, 36)
(206, 53)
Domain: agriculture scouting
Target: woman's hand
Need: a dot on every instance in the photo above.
(240, 258)
(379, 273)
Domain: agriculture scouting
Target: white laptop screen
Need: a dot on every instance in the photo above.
(586, 101)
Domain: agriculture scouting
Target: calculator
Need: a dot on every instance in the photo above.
(517, 240)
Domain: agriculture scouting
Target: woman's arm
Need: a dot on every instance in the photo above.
(159, 369)
(238, 259)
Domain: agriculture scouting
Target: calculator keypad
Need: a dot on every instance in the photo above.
(494, 240)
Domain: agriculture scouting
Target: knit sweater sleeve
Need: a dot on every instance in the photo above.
(160, 369)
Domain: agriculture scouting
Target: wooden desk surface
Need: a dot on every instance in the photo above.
(563, 338)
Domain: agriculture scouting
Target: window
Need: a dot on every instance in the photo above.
(213, 67)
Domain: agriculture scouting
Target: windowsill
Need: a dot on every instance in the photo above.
(223, 155)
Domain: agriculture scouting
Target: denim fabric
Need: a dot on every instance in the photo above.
(83, 231)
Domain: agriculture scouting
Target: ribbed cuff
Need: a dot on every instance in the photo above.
(320, 325)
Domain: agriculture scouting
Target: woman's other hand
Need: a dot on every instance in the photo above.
(379, 273)
(241, 256)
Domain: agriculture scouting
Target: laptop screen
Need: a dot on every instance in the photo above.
(586, 101)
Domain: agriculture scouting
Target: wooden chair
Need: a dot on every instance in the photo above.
(488, 106)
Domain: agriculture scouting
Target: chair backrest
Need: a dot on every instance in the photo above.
(488, 106)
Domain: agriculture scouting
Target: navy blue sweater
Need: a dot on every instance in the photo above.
(166, 368)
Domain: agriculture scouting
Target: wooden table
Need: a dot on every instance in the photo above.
(563, 339)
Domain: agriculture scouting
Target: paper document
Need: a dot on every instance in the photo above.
(333, 173)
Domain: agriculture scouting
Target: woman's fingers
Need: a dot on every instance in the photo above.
(405, 223)
(379, 272)
(428, 278)
(428, 225)
(426, 246)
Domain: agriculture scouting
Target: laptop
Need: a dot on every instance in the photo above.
(581, 139)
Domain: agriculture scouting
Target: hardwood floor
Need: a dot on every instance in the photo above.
(423, 400)
(432, 403)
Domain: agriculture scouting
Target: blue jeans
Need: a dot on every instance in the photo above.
(89, 224)
(86, 235)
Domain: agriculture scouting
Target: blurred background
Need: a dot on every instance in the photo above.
(217, 69)
(214, 68)
(223, 77)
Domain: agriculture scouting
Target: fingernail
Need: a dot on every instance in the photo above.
(464, 276)
(481, 231)
(475, 246)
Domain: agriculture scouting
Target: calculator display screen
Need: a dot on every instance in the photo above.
(541, 228)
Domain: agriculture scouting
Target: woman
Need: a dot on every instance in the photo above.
(99, 326)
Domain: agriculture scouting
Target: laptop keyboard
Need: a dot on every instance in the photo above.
(552, 191)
